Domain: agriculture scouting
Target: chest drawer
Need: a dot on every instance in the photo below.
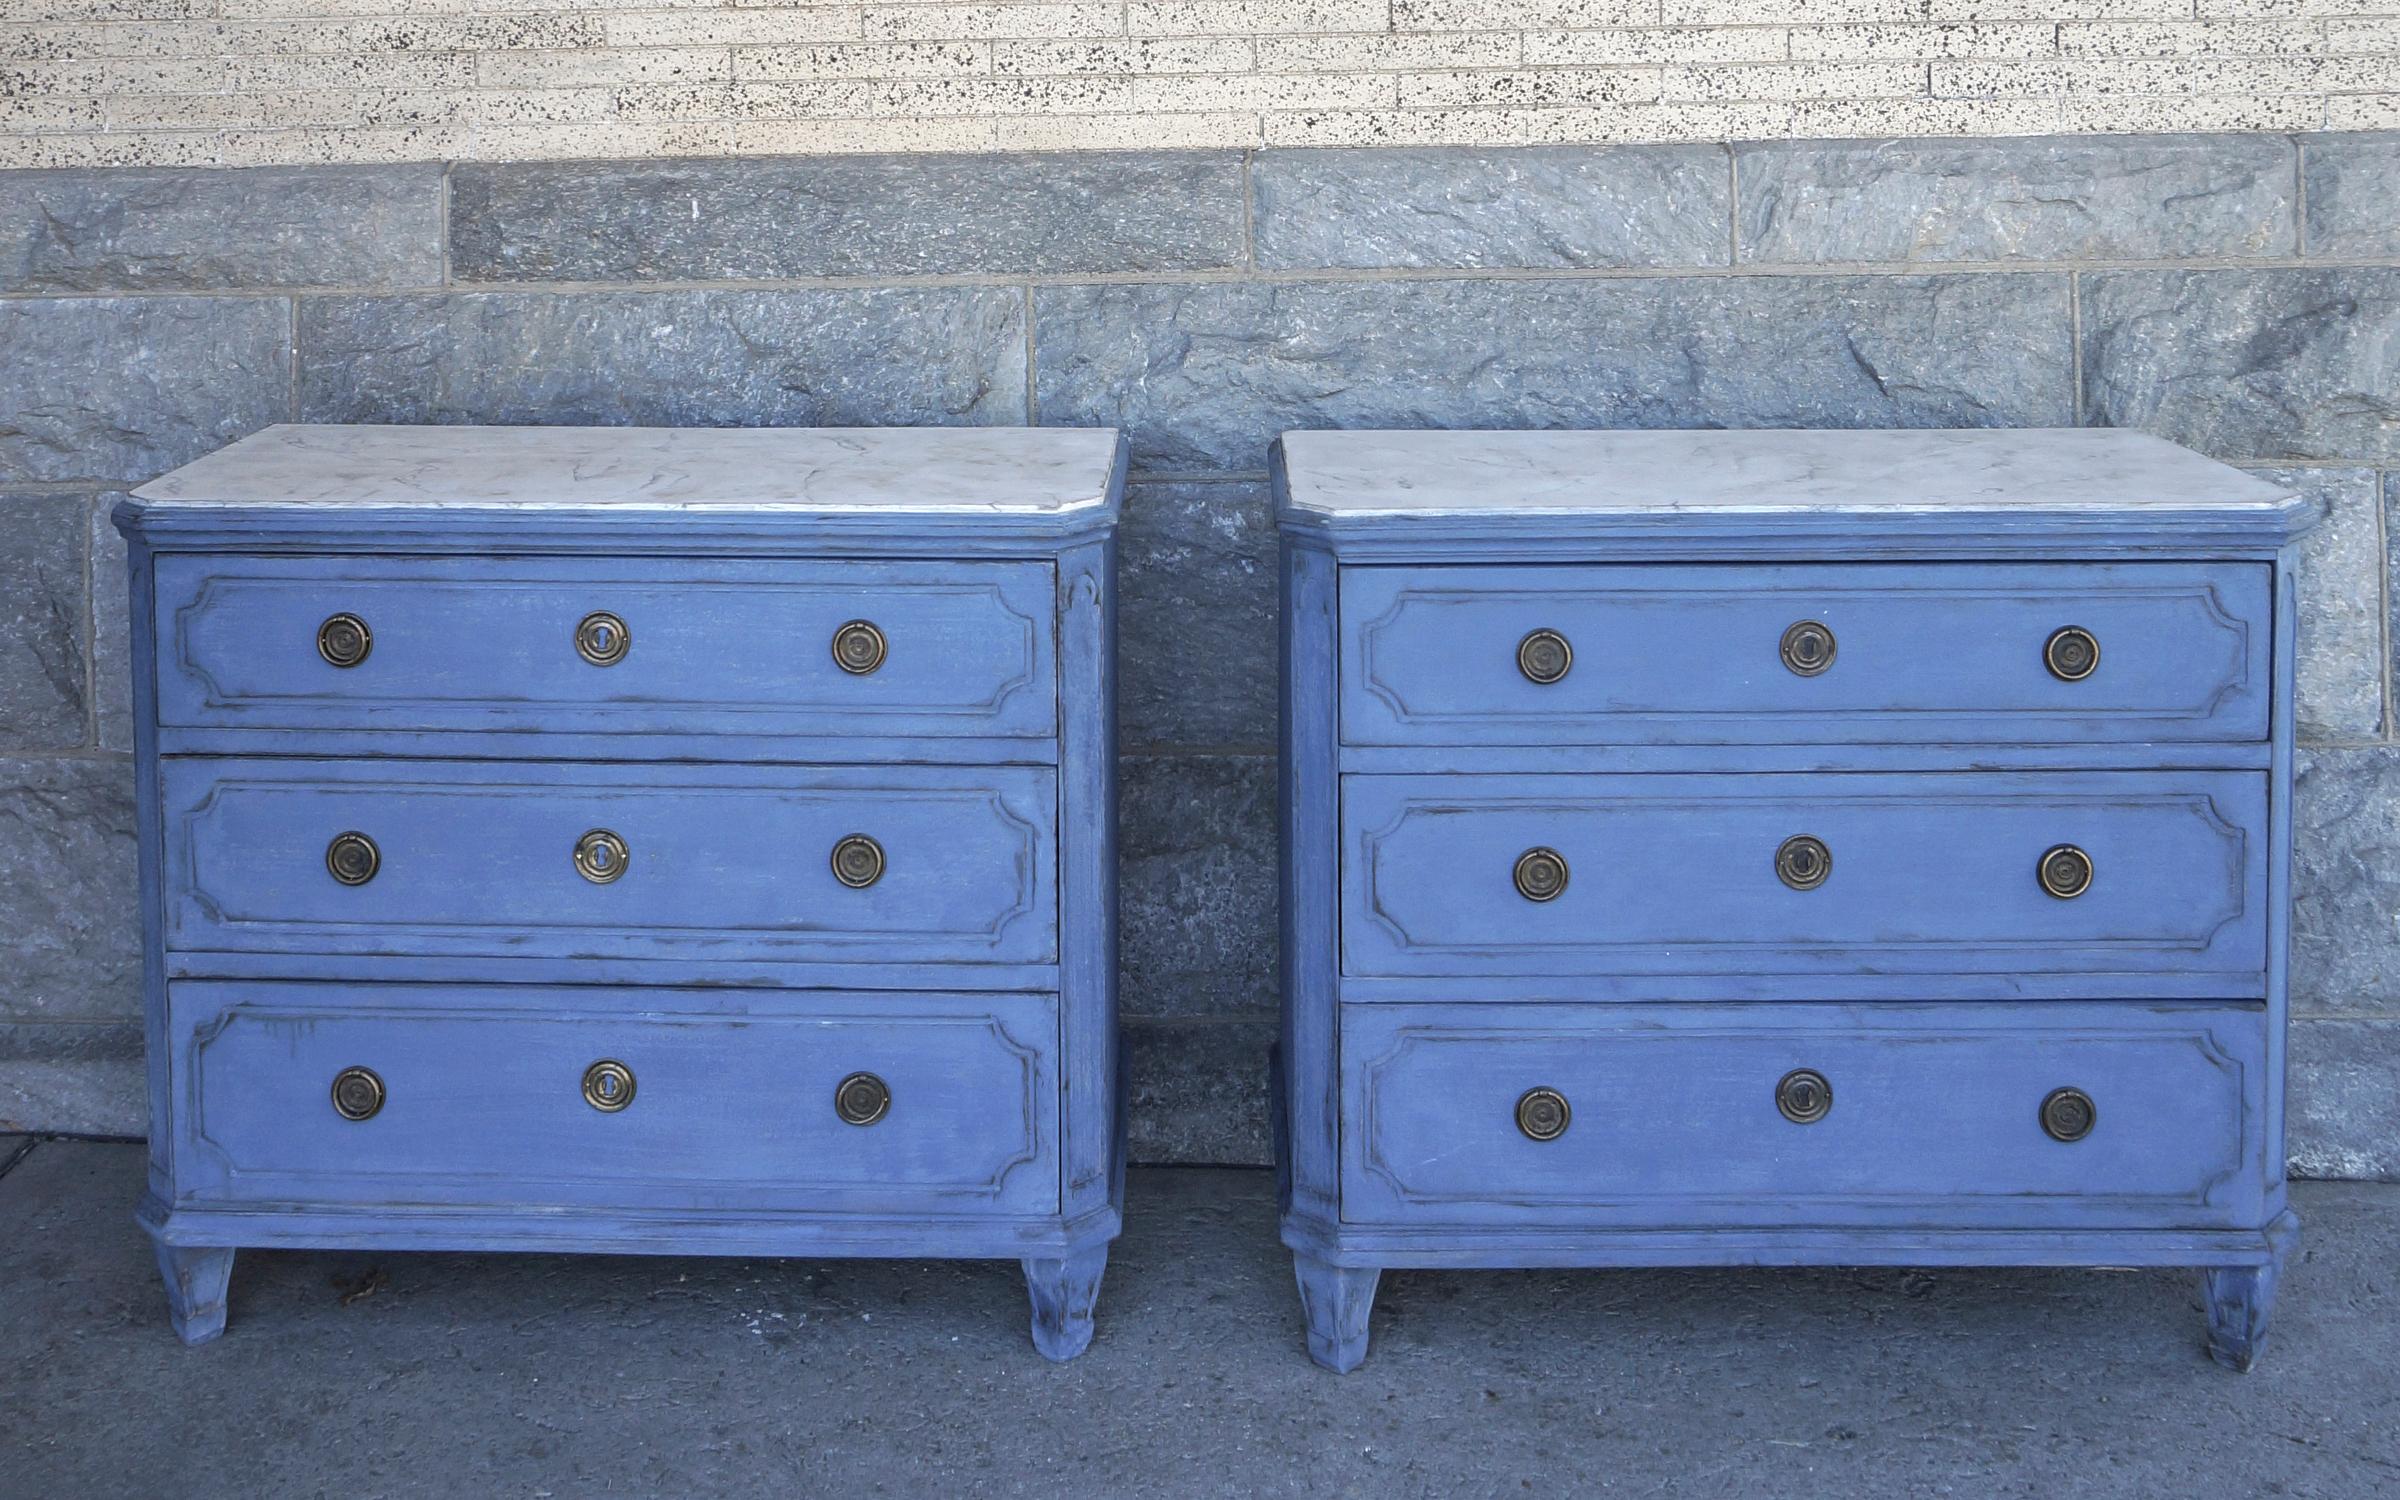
(925, 865)
(1701, 874)
(726, 1100)
(1671, 1116)
(597, 646)
(1816, 653)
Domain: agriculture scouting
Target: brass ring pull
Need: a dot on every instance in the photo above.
(1544, 657)
(858, 647)
(601, 856)
(1808, 647)
(2065, 871)
(858, 861)
(357, 1094)
(608, 1086)
(352, 858)
(2068, 1115)
(1543, 1114)
(1540, 874)
(2071, 654)
(602, 639)
(1804, 1096)
(1803, 862)
(862, 1099)
(344, 640)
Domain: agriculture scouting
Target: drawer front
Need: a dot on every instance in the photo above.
(724, 862)
(1671, 1116)
(480, 1098)
(1684, 874)
(1919, 654)
(708, 647)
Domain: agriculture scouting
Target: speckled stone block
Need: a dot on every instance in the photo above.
(73, 1078)
(2353, 187)
(1540, 207)
(1196, 884)
(2339, 687)
(112, 649)
(923, 356)
(830, 216)
(44, 681)
(2273, 365)
(2346, 880)
(1196, 651)
(152, 230)
(2342, 1117)
(2044, 198)
(1204, 376)
(1198, 1093)
(67, 889)
(125, 388)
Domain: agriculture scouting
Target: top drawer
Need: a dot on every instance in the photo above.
(1816, 654)
(607, 647)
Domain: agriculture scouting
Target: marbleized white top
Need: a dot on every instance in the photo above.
(1030, 471)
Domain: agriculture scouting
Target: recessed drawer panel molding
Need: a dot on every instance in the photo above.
(1805, 654)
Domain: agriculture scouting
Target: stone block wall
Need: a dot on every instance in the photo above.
(2239, 293)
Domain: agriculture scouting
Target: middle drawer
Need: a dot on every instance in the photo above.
(899, 864)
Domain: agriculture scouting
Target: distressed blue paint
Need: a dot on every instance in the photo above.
(480, 976)
(1676, 979)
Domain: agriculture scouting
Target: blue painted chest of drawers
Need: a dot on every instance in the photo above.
(1759, 848)
(640, 841)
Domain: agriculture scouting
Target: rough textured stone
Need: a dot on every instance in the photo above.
(834, 216)
(2339, 687)
(73, 1078)
(1204, 376)
(67, 890)
(96, 231)
(1198, 1092)
(1540, 207)
(2343, 1116)
(2043, 198)
(1196, 884)
(127, 388)
(1196, 616)
(112, 652)
(930, 355)
(2346, 880)
(44, 677)
(2273, 365)
(2353, 188)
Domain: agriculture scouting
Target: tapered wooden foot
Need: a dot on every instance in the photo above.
(2242, 1298)
(1336, 1301)
(1064, 1292)
(196, 1278)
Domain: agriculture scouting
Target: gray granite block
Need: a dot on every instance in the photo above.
(43, 667)
(112, 650)
(2339, 687)
(67, 890)
(73, 1078)
(2343, 1115)
(1198, 1093)
(757, 220)
(922, 356)
(1536, 207)
(2346, 880)
(127, 388)
(1196, 610)
(1204, 376)
(2352, 183)
(2037, 199)
(1196, 884)
(2273, 365)
(368, 227)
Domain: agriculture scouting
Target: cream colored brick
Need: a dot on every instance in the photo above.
(2363, 112)
(2057, 10)
(1125, 58)
(108, 10)
(2189, 38)
(57, 112)
(604, 66)
(2163, 76)
(722, 26)
(869, 60)
(240, 74)
(1395, 127)
(256, 148)
(2364, 36)
(984, 22)
(1948, 39)
(2207, 112)
(1255, 17)
(849, 137)
(1789, 12)
(145, 149)
(614, 138)
(2293, 9)
(1836, 118)
(1653, 44)
(1794, 81)
(1416, 52)
(1528, 87)
(1140, 132)
(1527, 15)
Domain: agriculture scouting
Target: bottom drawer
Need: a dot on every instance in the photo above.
(1917, 1115)
(494, 1097)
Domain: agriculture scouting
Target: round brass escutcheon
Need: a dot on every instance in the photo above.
(862, 1099)
(344, 640)
(1543, 1114)
(601, 856)
(1804, 1096)
(2068, 1114)
(608, 1086)
(858, 648)
(1802, 862)
(357, 1093)
(858, 861)
(602, 639)
(2071, 654)
(1808, 647)
(1544, 657)
(352, 858)
(1541, 874)
(2065, 871)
